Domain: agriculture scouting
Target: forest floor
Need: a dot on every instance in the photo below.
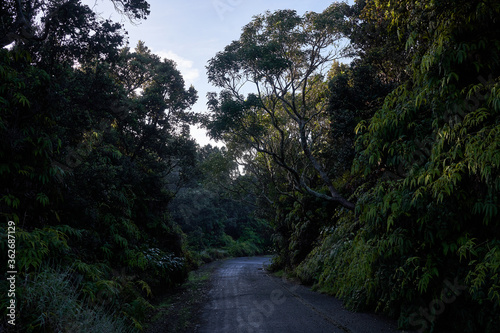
(179, 311)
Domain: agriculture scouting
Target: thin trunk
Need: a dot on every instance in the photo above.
(334, 195)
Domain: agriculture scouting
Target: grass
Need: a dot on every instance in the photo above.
(180, 310)
(51, 303)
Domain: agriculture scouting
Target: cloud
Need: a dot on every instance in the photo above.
(185, 66)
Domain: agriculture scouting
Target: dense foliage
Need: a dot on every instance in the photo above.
(216, 213)
(381, 176)
(94, 146)
(368, 144)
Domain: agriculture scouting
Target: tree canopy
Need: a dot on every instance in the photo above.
(285, 57)
(38, 20)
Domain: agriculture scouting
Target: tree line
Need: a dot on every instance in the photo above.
(97, 167)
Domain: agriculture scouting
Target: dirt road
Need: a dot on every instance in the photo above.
(245, 299)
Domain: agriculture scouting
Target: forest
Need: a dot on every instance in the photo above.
(361, 149)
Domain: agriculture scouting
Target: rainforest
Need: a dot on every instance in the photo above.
(360, 148)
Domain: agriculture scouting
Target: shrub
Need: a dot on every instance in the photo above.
(51, 303)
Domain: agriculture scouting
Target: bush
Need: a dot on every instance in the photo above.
(164, 270)
(212, 254)
(243, 249)
(51, 303)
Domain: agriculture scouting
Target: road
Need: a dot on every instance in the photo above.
(245, 299)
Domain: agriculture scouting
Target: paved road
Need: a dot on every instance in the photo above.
(244, 299)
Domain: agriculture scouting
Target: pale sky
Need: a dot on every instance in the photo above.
(192, 32)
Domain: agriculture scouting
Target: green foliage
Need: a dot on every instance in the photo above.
(163, 270)
(89, 166)
(216, 212)
(51, 302)
(103, 181)
(241, 248)
(211, 254)
(282, 57)
(37, 246)
(432, 215)
(411, 136)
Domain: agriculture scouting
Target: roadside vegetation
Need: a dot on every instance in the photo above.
(366, 158)
(180, 309)
(380, 174)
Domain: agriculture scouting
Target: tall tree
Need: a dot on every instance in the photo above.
(94, 143)
(36, 20)
(285, 58)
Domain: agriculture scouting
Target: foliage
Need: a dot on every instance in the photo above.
(380, 178)
(51, 299)
(39, 20)
(283, 57)
(164, 270)
(422, 217)
(411, 137)
(216, 211)
(95, 143)
(436, 136)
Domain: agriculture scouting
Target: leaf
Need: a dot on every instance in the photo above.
(42, 198)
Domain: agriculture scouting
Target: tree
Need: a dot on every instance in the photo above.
(434, 144)
(285, 57)
(217, 211)
(36, 20)
(95, 142)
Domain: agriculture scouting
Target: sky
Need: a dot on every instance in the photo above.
(191, 32)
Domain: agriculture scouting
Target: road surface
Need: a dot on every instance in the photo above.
(245, 299)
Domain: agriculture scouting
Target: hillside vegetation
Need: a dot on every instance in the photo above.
(366, 158)
(373, 137)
